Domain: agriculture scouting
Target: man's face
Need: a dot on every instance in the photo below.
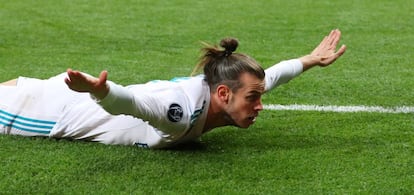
(245, 104)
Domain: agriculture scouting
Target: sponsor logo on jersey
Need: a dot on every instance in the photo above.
(175, 113)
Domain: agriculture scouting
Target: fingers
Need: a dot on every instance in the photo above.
(103, 77)
(74, 80)
(335, 38)
(326, 52)
(331, 36)
(332, 41)
(334, 57)
(73, 74)
(329, 42)
(341, 51)
(68, 79)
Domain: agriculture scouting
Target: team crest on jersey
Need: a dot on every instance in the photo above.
(175, 113)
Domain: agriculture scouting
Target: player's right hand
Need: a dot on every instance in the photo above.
(81, 82)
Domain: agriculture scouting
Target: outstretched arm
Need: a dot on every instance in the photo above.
(116, 99)
(81, 82)
(325, 53)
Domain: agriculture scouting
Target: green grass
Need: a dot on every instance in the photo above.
(285, 152)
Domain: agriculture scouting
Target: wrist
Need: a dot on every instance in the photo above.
(100, 93)
(309, 61)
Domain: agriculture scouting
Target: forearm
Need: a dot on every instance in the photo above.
(282, 73)
(117, 100)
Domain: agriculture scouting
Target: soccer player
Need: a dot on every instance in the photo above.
(157, 114)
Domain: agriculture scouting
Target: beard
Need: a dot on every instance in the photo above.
(229, 120)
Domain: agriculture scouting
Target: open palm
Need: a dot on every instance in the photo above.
(326, 50)
(81, 82)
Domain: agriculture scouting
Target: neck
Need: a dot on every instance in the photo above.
(215, 117)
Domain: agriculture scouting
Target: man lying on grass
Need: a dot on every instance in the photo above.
(157, 114)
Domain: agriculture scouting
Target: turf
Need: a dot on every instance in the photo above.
(285, 152)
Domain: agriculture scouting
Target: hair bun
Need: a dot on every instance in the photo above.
(229, 44)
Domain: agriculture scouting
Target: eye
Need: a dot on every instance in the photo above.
(253, 97)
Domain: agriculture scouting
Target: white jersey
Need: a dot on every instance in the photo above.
(157, 114)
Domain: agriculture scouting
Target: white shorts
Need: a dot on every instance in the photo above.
(49, 108)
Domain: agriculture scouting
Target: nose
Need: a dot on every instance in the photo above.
(259, 105)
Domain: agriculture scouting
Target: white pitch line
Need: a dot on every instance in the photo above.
(377, 109)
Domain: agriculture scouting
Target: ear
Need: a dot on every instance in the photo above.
(223, 93)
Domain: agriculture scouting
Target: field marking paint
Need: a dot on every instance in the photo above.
(333, 108)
